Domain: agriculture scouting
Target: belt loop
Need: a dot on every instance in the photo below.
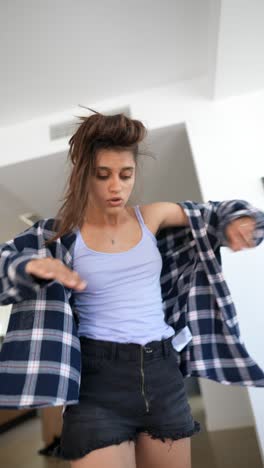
(164, 351)
(113, 350)
(166, 347)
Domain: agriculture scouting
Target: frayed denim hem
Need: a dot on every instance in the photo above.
(161, 434)
(58, 452)
(164, 434)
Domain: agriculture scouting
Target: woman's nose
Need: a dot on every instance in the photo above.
(115, 184)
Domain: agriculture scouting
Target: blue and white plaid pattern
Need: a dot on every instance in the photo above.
(40, 356)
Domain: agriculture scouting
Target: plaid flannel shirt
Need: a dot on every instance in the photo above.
(40, 359)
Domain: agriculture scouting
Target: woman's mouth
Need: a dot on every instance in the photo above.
(115, 201)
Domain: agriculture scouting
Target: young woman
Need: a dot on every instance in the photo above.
(132, 409)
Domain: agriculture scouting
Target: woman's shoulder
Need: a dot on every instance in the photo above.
(152, 215)
(164, 214)
(149, 209)
(155, 209)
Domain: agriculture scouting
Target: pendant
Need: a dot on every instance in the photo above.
(113, 241)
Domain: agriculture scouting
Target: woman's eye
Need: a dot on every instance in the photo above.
(106, 177)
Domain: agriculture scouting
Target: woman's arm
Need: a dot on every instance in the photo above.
(240, 233)
(230, 223)
(26, 266)
(15, 283)
(170, 214)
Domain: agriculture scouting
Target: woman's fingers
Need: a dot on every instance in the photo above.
(246, 233)
(241, 234)
(74, 280)
(49, 268)
(237, 242)
(69, 277)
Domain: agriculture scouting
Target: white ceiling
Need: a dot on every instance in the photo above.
(57, 54)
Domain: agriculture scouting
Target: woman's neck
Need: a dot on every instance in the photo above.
(99, 218)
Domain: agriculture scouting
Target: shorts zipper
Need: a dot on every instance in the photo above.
(143, 381)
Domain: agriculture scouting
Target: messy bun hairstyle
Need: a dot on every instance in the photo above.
(94, 133)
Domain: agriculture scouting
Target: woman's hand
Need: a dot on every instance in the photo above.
(240, 233)
(51, 268)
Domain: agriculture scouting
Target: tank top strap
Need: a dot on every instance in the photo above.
(139, 215)
(142, 223)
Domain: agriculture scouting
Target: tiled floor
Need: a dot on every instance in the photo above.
(218, 449)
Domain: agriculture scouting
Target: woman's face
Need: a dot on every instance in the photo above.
(114, 177)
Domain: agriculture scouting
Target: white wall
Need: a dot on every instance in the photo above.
(228, 144)
(239, 58)
(226, 406)
(156, 107)
(4, 318)
(57, 54)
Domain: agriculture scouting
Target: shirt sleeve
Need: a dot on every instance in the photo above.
(15, 283)
(230, 210)
(216, 215)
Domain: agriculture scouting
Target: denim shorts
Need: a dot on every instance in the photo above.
(126, 389)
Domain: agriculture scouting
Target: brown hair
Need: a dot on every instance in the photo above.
(96, 132)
